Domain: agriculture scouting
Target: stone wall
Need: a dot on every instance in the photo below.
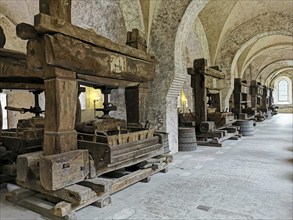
(170, 28)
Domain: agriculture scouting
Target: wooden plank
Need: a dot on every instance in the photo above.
(21, 86)
(98, 81)
(19, 194)
(12, 54)
(100, 185)
(214, 73)
(63, 210)
(134, 154)
(135, 160)
(47, 24)
(130, 145)
(77, 56)
(135, 177)
(130, 179)
(42, 207)
(134, 147)
(101, 156)
(76, 194)
(18, 72)
(132, 137)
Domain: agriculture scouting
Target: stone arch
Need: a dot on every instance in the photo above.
(266, 24)
(272, 76)
(271, 67)
(260, 52)
(196, 48)
(172, 21)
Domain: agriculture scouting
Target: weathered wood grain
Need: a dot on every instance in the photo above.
(12, 54)
(69, 53)
(98, 81)
(47, 24)
(21, 86)
(61, 170)
(214, 73)
(27, 166)
(74, 193)
(26, 31)
(9, 70)
(61, 99)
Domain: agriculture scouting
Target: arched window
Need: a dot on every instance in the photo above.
(283, 91)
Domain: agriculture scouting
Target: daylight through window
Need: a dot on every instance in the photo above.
(283, 91)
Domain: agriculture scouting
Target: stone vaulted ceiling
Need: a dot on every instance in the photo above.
(250, 37)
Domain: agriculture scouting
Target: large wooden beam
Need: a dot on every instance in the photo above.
(12, 70)
(97, 81)
(12, 54)
(75, 55)
(47, 24)
(214, 73)
(21, 86)
(14, 73)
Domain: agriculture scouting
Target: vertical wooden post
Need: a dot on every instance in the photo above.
(61, 98)
(271, 98)
(60, 91)
(135, 97)
(264, 98)
(253, 93)
(56, 8)
(136, 39)
(200, 92)
(237, 96)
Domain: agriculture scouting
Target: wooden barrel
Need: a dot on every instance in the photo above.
(187, 139)
(246, 127)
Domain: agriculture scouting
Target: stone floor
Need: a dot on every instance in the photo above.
(251, 178)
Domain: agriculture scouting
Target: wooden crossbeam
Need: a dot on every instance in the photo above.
(77, 56)
(47, 24)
